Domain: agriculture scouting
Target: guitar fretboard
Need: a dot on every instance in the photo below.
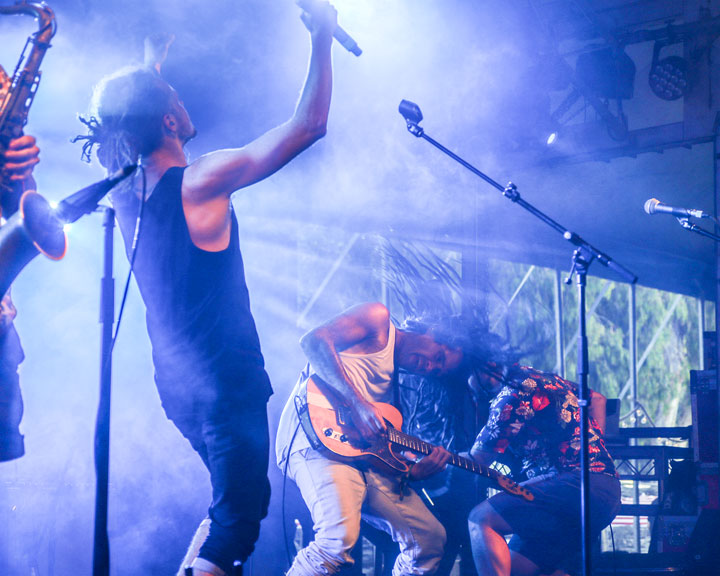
(421, 447)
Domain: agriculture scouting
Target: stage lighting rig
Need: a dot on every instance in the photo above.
(668, 76)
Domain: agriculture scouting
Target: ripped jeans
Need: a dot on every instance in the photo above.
(338, 495)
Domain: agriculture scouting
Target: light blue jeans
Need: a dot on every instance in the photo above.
(337, 495)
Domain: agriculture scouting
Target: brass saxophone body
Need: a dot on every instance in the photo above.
(32, 227)
(16, 99)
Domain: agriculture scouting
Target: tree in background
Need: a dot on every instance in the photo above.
(416, 278)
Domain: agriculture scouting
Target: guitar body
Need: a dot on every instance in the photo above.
(335, 431)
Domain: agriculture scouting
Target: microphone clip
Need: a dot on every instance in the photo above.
(414, 129)
(511, 192)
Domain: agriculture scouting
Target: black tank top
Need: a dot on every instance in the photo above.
(205, 345)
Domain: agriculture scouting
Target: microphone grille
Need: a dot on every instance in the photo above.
(650, 205)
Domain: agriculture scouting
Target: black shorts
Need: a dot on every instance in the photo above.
(547, 530)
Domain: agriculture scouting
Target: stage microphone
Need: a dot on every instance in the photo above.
(86, 200)
(410, 111)
(339, 34)
(654, 206)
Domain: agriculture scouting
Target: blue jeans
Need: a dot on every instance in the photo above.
(11, 403)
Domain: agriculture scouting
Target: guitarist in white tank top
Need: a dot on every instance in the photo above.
(356, 355)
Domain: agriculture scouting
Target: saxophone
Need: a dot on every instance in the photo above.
(32, 227)
(19, 91)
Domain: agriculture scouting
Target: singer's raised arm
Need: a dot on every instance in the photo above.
(220, 173)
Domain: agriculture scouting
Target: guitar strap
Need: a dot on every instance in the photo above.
(396, 389)
(302, 409)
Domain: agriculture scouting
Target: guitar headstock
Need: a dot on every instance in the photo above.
(514, 488)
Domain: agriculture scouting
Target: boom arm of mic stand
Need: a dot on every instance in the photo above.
(416, 130)
(582, 258)
(511, 192)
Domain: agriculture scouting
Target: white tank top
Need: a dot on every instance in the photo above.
(371, 374)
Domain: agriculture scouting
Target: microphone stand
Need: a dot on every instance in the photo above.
(69, 210)
(583, 256)
(101, 547)
(685, 223)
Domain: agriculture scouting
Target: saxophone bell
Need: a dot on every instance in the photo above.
(34, 229)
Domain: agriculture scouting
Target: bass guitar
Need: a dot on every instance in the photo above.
(326, 422)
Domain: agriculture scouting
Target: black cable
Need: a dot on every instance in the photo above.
(133, 252)
(107, 359)
(282, 512)
(101, 553)
(614, 556)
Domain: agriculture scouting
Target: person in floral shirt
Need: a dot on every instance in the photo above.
(535, 416)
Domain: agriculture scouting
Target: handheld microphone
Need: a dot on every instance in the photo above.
(339, 34)
(85, 201)
(410, 111)
(654, 206)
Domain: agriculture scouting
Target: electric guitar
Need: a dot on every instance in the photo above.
(327, 423)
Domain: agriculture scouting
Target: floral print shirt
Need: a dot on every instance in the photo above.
(536, 417)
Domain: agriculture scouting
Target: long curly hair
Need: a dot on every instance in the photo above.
(468, 332)
(126, 116)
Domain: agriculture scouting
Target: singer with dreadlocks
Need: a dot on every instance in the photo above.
(209, 369)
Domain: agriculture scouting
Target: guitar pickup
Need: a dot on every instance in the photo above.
(343, 417)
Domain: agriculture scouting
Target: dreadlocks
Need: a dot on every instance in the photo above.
(126, 119)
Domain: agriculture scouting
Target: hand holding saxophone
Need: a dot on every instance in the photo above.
(19, 159)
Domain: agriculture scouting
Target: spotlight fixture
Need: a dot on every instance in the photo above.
(607, 72)
(668, 76)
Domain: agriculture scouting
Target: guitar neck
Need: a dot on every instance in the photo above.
(421, 447)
